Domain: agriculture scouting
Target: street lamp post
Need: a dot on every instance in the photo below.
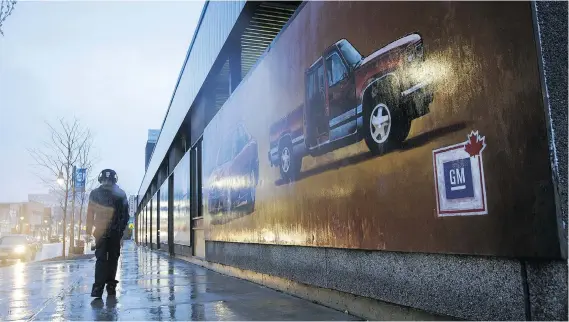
(72, 232)
(61, 181)
(74, 178)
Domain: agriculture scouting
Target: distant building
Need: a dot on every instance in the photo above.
(47, 199)
(53, 213)
(150, 144)
(9, 216)
(31, 218)
(21, 217)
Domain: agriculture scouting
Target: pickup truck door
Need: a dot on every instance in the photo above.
(316, 112)
(341, 96)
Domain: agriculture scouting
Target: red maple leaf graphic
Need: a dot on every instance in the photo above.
(475, 144)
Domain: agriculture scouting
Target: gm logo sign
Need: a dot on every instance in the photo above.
(459, 178)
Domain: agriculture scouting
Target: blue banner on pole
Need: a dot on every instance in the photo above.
(80, 178)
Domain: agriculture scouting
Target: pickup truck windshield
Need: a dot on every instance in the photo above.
(352, 56)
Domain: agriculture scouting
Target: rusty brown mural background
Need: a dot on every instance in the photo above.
(485, 63)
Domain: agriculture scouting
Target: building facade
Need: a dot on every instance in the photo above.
(53, 212)
(372, 156)
(9, 217)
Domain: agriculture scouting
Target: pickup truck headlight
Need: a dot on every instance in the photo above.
(20, 249)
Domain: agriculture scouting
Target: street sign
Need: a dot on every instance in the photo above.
(80, 178)
(131, 226)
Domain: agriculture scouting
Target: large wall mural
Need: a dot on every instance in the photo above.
(388, 126)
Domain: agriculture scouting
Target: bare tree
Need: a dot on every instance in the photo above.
(57, 157)
(6, 8)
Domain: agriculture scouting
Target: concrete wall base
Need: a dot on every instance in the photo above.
(547, 290)
(360, 306)
(402, 286)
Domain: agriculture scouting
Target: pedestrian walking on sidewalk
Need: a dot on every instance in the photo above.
(107, 212)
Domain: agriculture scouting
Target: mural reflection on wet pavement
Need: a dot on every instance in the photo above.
(152, 286)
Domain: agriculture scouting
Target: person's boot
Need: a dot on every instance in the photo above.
(97, 291)
(112, 288)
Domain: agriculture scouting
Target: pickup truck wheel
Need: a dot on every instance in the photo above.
(387, 126)
(289, 165)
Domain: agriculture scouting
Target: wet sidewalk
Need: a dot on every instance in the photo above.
(152, 286)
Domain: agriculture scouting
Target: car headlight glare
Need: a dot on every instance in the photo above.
(20, 249)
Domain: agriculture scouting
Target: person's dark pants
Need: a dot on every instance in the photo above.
(107, 252)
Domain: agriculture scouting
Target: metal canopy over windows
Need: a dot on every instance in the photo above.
(266, 23)
(222, 88)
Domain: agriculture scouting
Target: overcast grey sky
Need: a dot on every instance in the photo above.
(113, 65)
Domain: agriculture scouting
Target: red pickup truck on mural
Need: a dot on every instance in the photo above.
(349, 98)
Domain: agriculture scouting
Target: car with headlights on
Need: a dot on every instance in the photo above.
(17, 247)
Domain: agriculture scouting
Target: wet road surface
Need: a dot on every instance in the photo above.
(152, 286)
